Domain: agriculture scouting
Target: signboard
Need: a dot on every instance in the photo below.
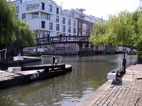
(32, 6)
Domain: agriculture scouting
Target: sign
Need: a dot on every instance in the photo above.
(32, 6)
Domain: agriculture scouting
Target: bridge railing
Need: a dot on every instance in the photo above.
(62, 39)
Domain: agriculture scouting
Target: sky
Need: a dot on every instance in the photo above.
(100, 8)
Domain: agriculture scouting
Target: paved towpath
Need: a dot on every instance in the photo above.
(126, 92)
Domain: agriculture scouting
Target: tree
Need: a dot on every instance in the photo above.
(13, 31)
(23, 36)
(124, 29)
(7, 13)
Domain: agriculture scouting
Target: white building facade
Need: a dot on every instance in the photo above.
(46, 18)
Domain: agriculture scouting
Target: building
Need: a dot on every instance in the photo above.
(85, 23)
(49, 21)
(85, 26)
(46, 18)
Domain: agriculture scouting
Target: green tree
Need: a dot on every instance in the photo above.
(23, 36)
(7, 13)
(14, 33)
(124, 29)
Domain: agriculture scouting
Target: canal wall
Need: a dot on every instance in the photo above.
(127, 91)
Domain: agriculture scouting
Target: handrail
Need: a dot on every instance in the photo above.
(51, 57)
(62, 39)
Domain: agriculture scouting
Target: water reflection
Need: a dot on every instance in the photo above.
(89, 72)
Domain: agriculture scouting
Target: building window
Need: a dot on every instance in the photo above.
(47, 16)
(35, 15)
(50, 8)
(74, 30)
(23, 16)
(69, 29)
(57, 18)
(80, 25)
(43, 6)
(58, 33)
(57, 10)
(74, 23)
(57, 27)
(47, 34)
(42, 24)
(64, 28)
(84, 29)
(64, 20)
(51, 26)
(17, 9)
(69, 21)
(69, 37)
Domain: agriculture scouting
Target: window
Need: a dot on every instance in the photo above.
(57, 10)
(80, 25)
(23, 16)
(64, 28)
(51, 26)
(50, 8)
(47, 34)
(58, 33)
(57, 18)
(42, 24)
(69, 29)
(57, 27)
(17, 9)
(43, 6)
(84, 29)
(69, 21)
(69, 37)
(74, 30)
(47, 16)
(74, 23)
(64, 20)
(35, 15)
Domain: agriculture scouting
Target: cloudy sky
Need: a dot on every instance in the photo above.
(100, 8)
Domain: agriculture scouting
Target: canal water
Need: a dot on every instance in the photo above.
(89, 73)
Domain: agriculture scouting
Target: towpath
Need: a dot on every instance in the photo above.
(126, 92)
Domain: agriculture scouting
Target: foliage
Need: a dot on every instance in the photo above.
(7, 12)
(124, 29)
(120, 30)
(13, 32)
(23, 36)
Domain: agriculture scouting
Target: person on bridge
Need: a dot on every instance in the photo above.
(61, 34)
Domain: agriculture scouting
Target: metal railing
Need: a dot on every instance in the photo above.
(48, 59)
(62, 39)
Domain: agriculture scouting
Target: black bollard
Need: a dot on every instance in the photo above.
(124, 62)
(53, 60)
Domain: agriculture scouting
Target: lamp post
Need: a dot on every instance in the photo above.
(124, 62)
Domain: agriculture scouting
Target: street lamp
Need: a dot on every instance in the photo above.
(124, 62)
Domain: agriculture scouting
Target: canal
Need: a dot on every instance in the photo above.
(89, 72)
